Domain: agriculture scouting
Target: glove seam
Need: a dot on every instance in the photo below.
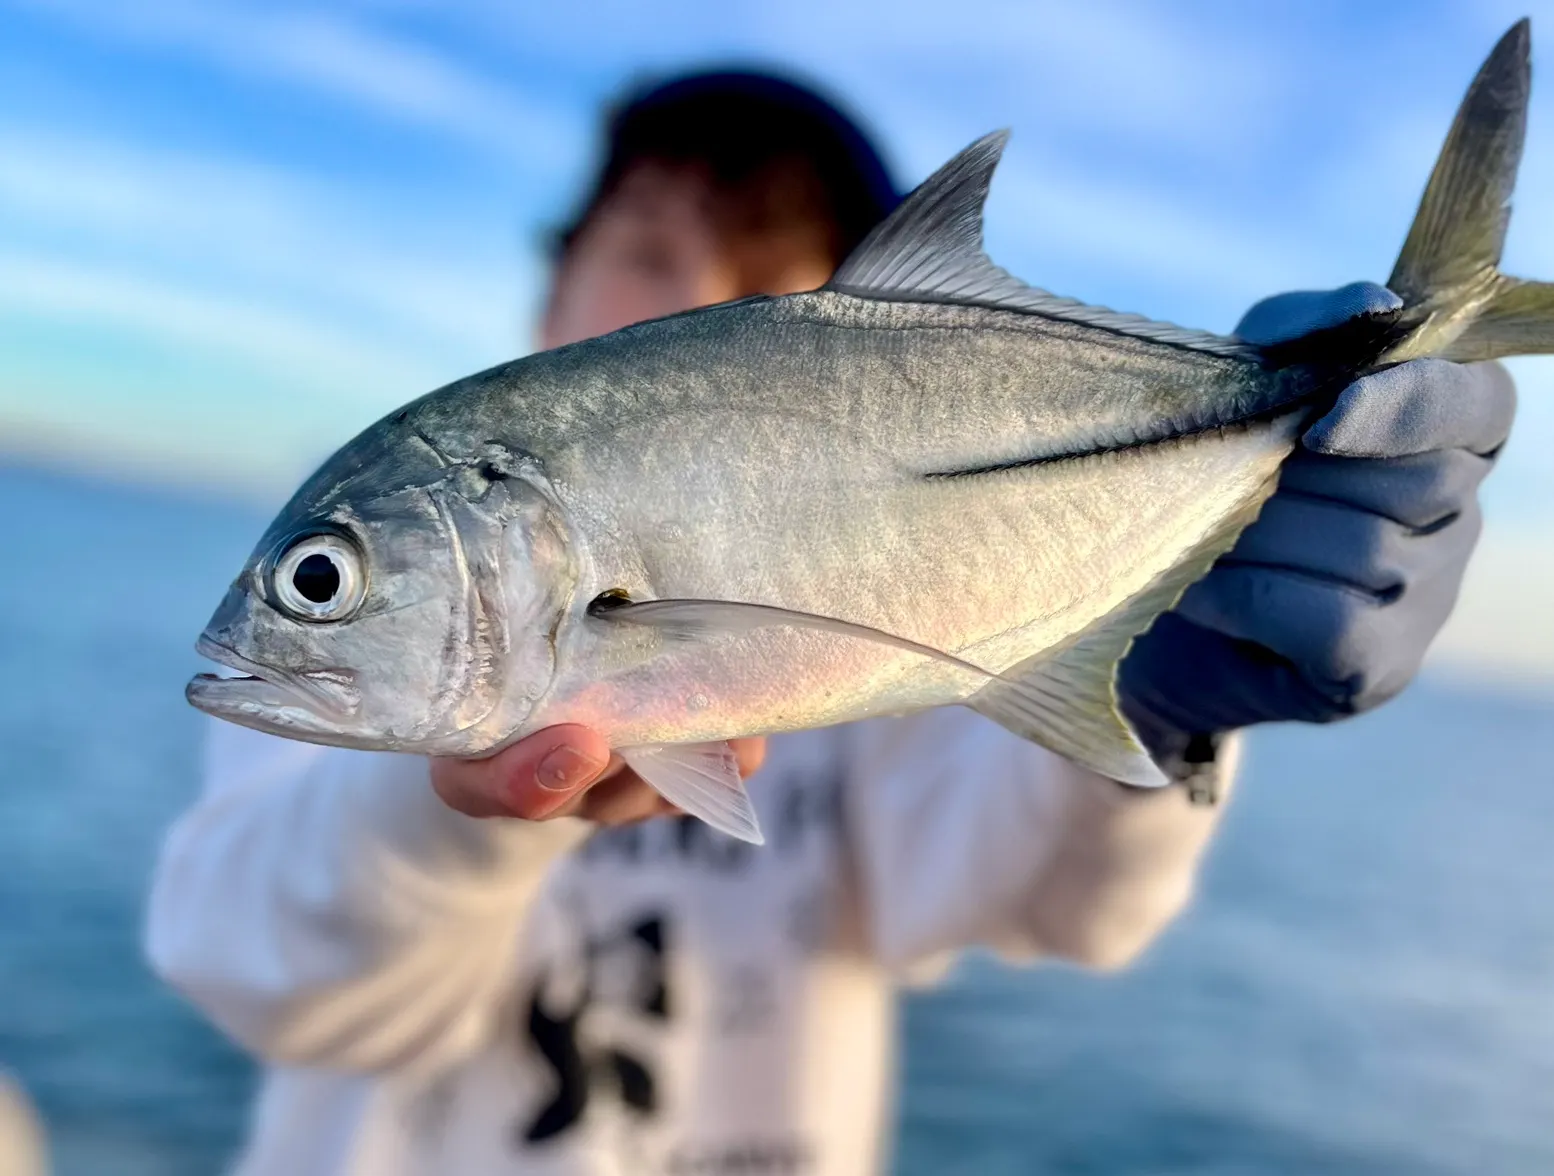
(1380, 598)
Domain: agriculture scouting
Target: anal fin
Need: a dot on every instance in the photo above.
(1068, 705)
(1066, 699)
(701, 778)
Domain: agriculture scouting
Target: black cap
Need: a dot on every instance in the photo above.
(734, 124)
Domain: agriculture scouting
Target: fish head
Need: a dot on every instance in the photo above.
(397, 603)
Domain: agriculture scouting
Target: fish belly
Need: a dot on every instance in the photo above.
(995, 567)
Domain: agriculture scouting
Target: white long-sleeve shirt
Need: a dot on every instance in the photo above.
(23, 1148)
(440, 996)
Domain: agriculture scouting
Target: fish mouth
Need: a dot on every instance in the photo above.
(317, 703)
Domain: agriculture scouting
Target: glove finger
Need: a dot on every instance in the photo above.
(1349, 642)
(1328, 632)
(1422, 490)
(1352, 547)
(1417, 407)
(1286, 317)
(1183, 677)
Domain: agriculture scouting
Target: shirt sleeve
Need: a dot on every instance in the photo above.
(965, 835)
(324, 908)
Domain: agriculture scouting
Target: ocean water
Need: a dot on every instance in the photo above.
(1364, 985)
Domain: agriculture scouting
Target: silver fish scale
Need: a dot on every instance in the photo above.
(777, 451)
(895, 372)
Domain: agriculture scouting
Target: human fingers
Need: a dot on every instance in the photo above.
(533, 779)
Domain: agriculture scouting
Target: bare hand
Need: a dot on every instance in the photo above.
(565, 771)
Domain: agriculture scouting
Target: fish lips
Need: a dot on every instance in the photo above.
(320, 703)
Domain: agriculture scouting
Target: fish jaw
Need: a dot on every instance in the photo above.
(316, 707)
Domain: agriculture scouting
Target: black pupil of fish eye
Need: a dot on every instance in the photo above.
(317, 578)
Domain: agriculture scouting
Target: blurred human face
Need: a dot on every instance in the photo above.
(653, 248)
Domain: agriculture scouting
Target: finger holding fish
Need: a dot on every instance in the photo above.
(562, 771)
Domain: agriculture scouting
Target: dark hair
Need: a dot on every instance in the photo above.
(765, 144)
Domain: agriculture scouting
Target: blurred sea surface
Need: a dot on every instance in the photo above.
(1364, 985)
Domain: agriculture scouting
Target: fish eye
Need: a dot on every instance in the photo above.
(319, 578)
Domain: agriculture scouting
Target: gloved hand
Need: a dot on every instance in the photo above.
(1326, 605)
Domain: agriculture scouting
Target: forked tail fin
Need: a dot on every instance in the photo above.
(1457, 303)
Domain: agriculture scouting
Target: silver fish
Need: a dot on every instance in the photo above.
(924, 484)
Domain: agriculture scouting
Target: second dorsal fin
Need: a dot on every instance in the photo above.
(930, 250)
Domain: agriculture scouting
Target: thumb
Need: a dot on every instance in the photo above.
(532, 779)
(1286, 317)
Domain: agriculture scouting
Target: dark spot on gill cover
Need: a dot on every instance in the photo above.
(607, 601)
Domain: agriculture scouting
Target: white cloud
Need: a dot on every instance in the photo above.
(321, 245)
(284, 342)
(319, 50)
(1502, 631)
(1109, 61)
(260, 464)
(1045, 216)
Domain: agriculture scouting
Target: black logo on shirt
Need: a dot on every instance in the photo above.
(804, 806)
(581, 1074)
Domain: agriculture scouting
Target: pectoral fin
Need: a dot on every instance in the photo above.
(701, 778)
(691, 620)
(1067, 706)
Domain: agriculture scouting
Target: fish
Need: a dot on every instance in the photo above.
(924, 484)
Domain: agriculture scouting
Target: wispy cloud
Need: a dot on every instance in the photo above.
(342, 58)
(1107, 63)
(183, 383)
(284, 343)
(1496, 632)
(240, 223)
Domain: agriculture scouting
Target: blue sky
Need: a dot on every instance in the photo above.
(232, 233)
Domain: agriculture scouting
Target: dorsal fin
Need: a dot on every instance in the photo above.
(930, 250)
(932, 243)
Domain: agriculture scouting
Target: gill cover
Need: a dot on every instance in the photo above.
(511, 545)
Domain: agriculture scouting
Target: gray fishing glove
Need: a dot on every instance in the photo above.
(1326, 605)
